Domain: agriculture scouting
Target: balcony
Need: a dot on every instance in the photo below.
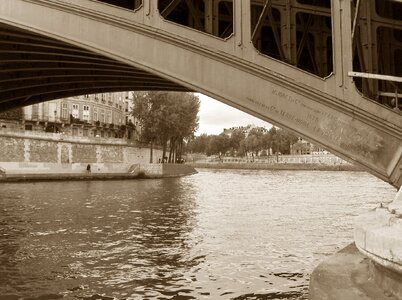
(50, 119)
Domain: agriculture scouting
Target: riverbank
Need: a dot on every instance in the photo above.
(38, 156)
(58, 172)
(278, 166)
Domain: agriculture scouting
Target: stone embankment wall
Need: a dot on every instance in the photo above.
(324, 159)
(327, 162)
(277, 166)
(37, 152)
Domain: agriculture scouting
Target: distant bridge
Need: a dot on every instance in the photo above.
(328, 70)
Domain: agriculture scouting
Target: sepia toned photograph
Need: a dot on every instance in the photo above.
(200, 149)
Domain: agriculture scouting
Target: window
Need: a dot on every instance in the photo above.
(52, 111)
(35, 111)
(64, 111)
(75, 131)
(75, 111)
(85, 132)
(85, 113)
(102, 115)
(96, 114)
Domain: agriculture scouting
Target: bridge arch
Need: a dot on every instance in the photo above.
(69, 45)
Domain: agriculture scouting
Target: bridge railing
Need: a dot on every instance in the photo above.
(297, 33)
(396, 97)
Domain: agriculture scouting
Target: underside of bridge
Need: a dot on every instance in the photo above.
(36, 68)
(289, 62)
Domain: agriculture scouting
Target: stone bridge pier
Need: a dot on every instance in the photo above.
(371, 268)
(378, 235)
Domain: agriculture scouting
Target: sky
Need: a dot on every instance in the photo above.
(214, 116)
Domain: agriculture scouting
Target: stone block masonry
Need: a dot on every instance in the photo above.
(26, 156)
(111, 154)
(39, 152)
(83, 153)
(42, 151)
(64, 153)
(12, 149)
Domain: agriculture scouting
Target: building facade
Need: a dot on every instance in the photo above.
(104, 115)
(303, 147)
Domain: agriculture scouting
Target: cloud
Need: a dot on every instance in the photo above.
(215, 116)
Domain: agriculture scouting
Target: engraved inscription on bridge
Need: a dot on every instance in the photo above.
(343, 132)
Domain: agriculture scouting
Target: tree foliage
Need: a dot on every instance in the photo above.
(280, 140)
(219, 144)
(167, 119)
(12, 114)
(240, 144)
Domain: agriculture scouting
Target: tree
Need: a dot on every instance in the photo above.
(166, 117)
(255, 140)
(199, 144)
(279, 140)
(185, 121)
(218, 144)
(285, 139)
(12, 114)
(258, 139)
(146, 112)
(236, 138)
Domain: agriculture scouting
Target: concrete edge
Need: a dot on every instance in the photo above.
(170, 172)
(277, 166)
(378, 235)
(347, 275)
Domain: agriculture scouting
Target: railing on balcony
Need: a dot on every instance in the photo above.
(42, 118)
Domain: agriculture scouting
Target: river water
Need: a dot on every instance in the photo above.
(219, 234)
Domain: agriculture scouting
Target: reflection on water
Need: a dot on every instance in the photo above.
(214, 235)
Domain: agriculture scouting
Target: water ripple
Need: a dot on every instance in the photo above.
(220, 234)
